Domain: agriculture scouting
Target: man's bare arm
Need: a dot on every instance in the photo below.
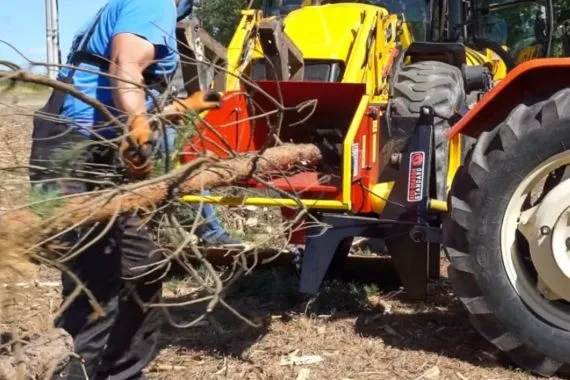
(130, 56)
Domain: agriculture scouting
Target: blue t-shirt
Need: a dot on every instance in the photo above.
(154, 20)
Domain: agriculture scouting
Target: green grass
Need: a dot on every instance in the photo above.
(48, 201)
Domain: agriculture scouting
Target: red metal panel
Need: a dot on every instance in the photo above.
(244, 122)
(222, 131)
(366, 165)
(298, 231)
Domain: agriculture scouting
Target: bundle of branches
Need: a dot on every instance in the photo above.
(22, 231)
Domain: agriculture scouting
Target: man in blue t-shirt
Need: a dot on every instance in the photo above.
(153, 22)
(133, 43)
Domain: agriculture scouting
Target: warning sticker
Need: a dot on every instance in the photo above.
(416, 177)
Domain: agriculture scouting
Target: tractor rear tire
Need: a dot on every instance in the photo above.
(435, 84)
(490, 269)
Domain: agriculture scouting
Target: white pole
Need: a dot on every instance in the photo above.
(55, 36)
(49, 45)
(52, 38)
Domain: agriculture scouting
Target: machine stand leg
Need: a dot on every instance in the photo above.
(326, 246)
(319, 253)
(411, 262)
(434, 261)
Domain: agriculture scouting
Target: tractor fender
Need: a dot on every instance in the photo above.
(535, 79)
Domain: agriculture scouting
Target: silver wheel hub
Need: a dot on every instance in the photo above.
(540, 272)
(547, 230)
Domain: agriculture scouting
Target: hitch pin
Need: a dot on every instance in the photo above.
(437, 205)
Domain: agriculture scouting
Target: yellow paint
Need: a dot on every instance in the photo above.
(454, 159)
(242, 47)
(528, 53)
(268, 202)
(379, 195)
(490, 59)
(437, 206)
(335, 30)
(351, 33)
(347, 151)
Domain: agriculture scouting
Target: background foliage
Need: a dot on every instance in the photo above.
(221, 17)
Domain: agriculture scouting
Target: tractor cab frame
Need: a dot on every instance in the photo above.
(516, 31)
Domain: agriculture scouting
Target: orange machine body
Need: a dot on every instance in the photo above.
(538, 78)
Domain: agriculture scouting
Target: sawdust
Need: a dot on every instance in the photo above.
(354, 336)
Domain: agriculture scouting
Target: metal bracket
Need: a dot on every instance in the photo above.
(285, 57)
(410, 196)
(425, 234)
(206, 61)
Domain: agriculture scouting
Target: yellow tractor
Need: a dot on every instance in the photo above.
(395, 93)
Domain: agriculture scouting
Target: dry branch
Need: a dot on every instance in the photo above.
(23, 229)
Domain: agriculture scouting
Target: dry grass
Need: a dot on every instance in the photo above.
(358, 334)
(357, 331)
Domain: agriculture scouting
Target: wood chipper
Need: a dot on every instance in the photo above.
(333, 74)
(411, 102)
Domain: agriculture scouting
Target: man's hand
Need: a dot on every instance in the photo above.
(138, 165)
(198, 102)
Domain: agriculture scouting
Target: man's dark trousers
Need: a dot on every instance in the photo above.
(123, 341)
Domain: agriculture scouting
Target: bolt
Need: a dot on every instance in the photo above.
(395, 159)
(417, 235)
(544, 230)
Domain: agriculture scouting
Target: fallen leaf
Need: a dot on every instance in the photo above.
(304, 374)
(293, 359)
(251, 222)
(431, 374)
(391, 331)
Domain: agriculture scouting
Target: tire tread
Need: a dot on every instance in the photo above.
(459, 226)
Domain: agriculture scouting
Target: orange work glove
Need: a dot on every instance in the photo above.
(138, 165)
(199, 101)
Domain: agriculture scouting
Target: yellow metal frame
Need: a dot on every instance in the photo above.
(455, 153)
(268, 202)
(437, 206)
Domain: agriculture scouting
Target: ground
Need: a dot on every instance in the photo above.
(349, 331)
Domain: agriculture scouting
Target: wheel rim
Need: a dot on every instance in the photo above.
(535, 242)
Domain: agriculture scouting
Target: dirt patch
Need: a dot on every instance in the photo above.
(349, 331)
(15, 142)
